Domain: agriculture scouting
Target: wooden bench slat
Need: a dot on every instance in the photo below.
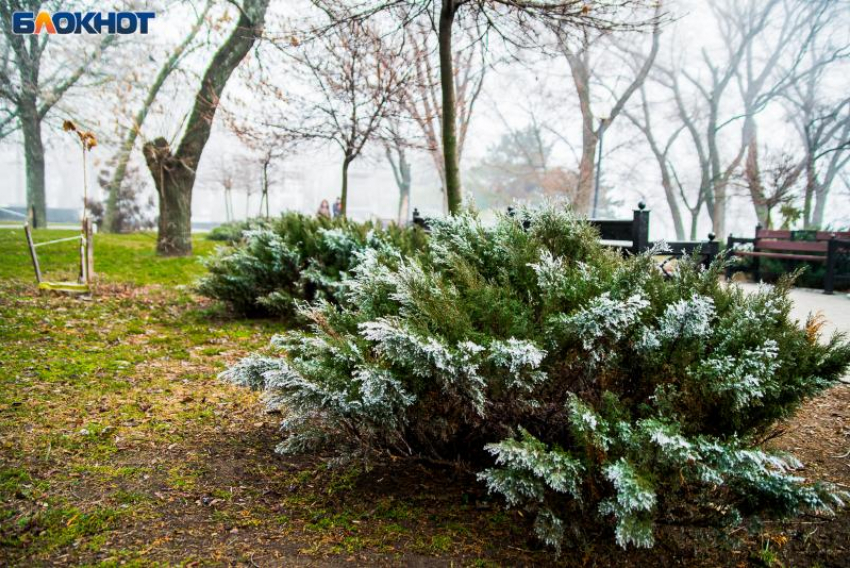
(785, 235)
(810, 257)
(796, 246)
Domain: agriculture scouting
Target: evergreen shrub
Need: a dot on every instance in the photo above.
(294, 257)
(580, 384)
(232, 232)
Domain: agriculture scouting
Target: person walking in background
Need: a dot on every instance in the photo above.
(324, 209)
(337, 208)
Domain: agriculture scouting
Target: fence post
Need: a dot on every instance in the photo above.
(640, 229)
(831, 261)
(756, 260)
(712, 249)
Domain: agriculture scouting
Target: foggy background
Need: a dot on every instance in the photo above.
(518, 87)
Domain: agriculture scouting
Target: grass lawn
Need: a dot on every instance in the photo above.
(118, 258)
(118, 446)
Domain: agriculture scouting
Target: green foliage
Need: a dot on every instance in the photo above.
(583, 384)
(295, 257)
(231, 232)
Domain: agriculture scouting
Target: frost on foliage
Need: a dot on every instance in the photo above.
(528, 468)
(456, 369)
(685, 319)
(371, 279)
(521, 359)
(435, 355)
(667, 437)
(756, 474)
(339, 241)
(632, 504)
(744, 378)
(381, 395)
(586, 425)
(251, 371)
(457, 235)
(550, 271)
(410, 280)
(604, 319)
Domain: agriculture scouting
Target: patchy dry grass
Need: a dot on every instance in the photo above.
(118, 446)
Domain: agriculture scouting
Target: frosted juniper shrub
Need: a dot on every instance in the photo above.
(294, 257)
(575, 380)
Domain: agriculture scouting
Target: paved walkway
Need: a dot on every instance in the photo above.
(835, 308)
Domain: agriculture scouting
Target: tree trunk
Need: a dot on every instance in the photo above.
(403, 207)
(111, 218)
(174, 184)
(404, 190)
(447, 84)
(589, 135)
(344, 193)
(34, 156)
(401, 173)
(694, 224)
(586, 171)
(266, 186)
(821, 192)
(672, 202)
(174, 173)
(752, 172)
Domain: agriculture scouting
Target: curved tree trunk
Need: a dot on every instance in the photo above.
(174, 173)
(447, 83)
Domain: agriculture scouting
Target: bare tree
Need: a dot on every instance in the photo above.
(355, 78)
(517, 22)
(782, 173)
(29, 90)
(234, 174)
(396, 146)
(174, 172)
(821, 119)
(122, 158)
(769, 66)
(579, 56)
(699, 93)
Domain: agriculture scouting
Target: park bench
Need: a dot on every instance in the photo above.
(831, 248)
(631, 236)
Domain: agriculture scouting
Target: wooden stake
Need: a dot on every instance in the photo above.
(33, 255)
(90, 250)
